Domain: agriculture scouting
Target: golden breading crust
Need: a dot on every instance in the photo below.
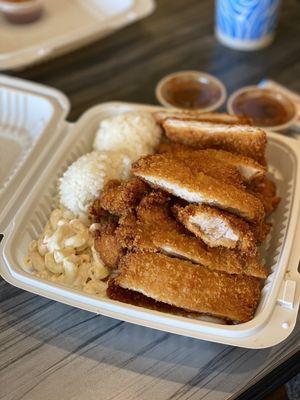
(248, 168)
(119, 197)
(240, 139)
(175, 176)
(106, 243)
(95, 212)
(199, 161)
(172, 147)
(118, 293)
(161, 116)
(265, 191)
(217, 228)
(261, 231)
(156, 230)
(189, 286)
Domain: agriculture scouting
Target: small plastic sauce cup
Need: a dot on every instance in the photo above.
(267, 108)
(22, 11)
(191, 90)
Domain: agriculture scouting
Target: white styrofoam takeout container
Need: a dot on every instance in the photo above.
(32, 120)
(65, 26)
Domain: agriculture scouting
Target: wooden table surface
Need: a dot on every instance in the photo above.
(53, 351)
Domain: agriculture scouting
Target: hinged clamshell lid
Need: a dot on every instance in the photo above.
(32, 120)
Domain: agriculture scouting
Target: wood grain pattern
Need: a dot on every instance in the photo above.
(49, 350)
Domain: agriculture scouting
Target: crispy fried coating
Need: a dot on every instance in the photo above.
(118, 293)
(247, 167)
(199, 161)
(246, 140)
(161, 116)
(175, 176)
(120, 197)
(106, 243)
(217, 228)
(95, 212)
(265, 191)
(189, 286)
(261, 231)
(172, 147)
(156, 230)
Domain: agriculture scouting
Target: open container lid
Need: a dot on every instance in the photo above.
(31, 115)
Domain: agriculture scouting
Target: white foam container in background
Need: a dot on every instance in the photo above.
(65, 26)
(28, 196)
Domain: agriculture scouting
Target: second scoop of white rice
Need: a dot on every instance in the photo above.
(133, 133)
(83, 181)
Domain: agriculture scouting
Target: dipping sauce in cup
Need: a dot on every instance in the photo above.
(191, 90)
(21, 11)
(267, 108)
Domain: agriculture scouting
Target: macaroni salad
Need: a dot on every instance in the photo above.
(64, 253)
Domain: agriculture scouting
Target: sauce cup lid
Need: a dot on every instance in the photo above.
(184, 79)
(277, 96)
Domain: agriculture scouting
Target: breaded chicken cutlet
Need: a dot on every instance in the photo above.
(261, 231)
(155, 230)
(189, 286)
(120, 197)
(161, 116)
(248, 168)
(199, 161)
(240, 139)
(265, 191)
(106, 243)
(116, 292)
(217, 228)
(175, 176)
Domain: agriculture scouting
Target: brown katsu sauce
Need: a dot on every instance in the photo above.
(190, 92)
(264, 108)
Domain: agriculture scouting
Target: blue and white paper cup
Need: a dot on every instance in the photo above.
(246, 24)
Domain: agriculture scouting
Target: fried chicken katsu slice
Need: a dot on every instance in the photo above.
(172, 147)
(106, 243)
(261, 231)
(161, 116)
(240, 139)
(189, 286)
(120, 197)
(175, 176)
(217, 228)
(247, 167)
(95, 212)
(265, 191)
(211, 166)
(157, 231)
(116, 292)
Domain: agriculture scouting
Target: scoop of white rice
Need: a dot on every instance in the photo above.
(85, 178)
(133, 133)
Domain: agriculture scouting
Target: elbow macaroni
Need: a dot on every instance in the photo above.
(65, 253)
